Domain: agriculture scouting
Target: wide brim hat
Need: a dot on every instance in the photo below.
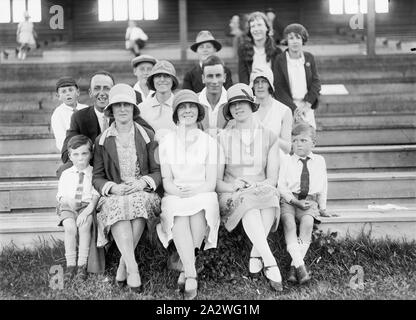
(143, 58)
(205, 36)
(121, 93)
(187, 95)
(239, 92)
(162, 67)
(266, 74)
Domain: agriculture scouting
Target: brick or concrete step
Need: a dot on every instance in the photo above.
(27, 146)
(28, 230)
(396, 224)
(352, 158)
(18, 195)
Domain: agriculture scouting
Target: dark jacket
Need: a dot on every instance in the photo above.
(193, 79)
(282, 85)
(106, 163)
(85, 122)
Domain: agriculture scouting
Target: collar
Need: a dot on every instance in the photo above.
(153, 102)
(113, 132)
(100, 115)
(311, 156)
(295, 62)
(204, 100)
(87, 170)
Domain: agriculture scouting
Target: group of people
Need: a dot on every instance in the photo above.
(213, 153)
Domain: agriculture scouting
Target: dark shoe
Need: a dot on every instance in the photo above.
(190, 294)
(181, 282)
(82, 273)
(258, 263)
(174, 262)
(276, 286)
(69, 273)
(134, 282)
(292, 275)
(303, 274)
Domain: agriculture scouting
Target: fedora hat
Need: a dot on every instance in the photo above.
(162, 67)
(239, 92)
(205, 36)
(121, 93)
(186, 95)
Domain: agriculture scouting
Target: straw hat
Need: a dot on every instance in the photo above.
(239, 92)
(162, 67)
(121, 93)
(205, 36)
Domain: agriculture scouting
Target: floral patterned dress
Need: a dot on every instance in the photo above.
(141, 204)
(246, 159)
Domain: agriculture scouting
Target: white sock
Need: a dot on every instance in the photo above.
(295, 253)
(71, 258)
(304, 247)
(82, 256)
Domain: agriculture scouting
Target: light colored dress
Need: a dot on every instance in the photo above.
(139, 204)
(246, 159)
(25, 35)
(188, 165)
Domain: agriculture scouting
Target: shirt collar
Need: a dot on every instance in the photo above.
(295, 62)
(113, 132)
(155, 103)
(87, 170)
(311, 156)
(100, 115)
(204, 100)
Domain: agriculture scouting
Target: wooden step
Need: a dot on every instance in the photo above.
(19, 195)
(348, 158)
(18, 146)
(397, 224)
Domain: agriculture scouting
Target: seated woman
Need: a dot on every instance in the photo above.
(190, 212)
(126, 174)
(273, 114)
(247, 182)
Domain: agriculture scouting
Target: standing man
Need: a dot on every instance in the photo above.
(142, 67)
(214, 95)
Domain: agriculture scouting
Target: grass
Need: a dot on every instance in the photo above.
(389, 271)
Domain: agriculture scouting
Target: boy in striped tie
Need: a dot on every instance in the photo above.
(303, 188)
(77, 200)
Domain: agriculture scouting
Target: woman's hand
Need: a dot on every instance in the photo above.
(120, 189)
(136, 185)
(240, 184)
(186, 192)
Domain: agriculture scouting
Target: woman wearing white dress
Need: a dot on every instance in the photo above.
(273, 114)
(25, 36)
(190, 210)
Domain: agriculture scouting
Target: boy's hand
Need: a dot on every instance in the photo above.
(302, 204)
(82, 218)
(323, 213)
(72, 203)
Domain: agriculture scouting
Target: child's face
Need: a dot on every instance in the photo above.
(142, 71)
(80, 156)
(68, 95)
(302, 144)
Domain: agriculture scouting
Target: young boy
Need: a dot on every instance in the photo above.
(142, 67)
(205, 45)
(303, 188)
(67, 91)
(77, 200)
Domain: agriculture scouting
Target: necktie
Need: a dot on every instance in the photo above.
(304, 180)
(105, 124)
(80, 188)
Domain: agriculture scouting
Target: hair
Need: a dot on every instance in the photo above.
(247, 41)
(212, 60)
(297, 29)
(270, 89)
(201, 115)
(304, 127)
(79, 140)
(102, 72)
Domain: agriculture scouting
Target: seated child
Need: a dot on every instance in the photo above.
(303, 188)
(67, 92)
(77, 200)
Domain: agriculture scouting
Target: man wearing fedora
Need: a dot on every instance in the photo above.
(205, 45)
(142, 67)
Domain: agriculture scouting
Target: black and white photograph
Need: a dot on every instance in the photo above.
(224, 152)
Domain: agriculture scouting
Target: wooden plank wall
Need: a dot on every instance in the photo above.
(82, 26)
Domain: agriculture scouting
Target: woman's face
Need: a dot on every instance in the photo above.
(123, 112)
(204, 50)
(241, 110)
(294, 42)
(187, 113)
(258, 29)
(162, 82)
(261, 87)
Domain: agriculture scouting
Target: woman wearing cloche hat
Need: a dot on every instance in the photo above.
(157, 108)
(247, 180)
(126, 174)
(190, 213)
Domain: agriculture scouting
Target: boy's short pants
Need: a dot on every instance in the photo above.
(64, 212)
(287, 208)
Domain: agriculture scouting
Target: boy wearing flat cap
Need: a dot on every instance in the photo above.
(67, 91)
(205, 45)
(142, 67)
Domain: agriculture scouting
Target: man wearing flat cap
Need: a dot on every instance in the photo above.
(142, 67)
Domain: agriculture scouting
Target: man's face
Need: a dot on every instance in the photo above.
(142, 71)
(213, 77)
(99, 89)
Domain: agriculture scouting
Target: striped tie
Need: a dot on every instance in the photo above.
(304, 180)
(80, 188)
